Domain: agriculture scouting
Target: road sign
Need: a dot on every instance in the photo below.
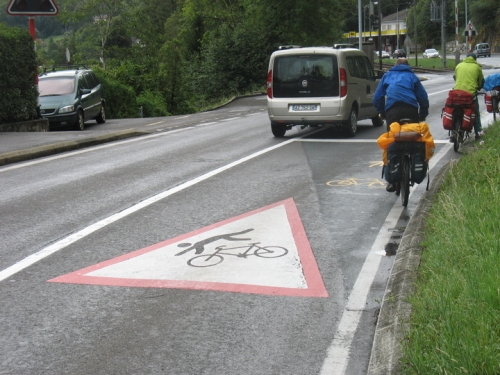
(32, 8)
(265, 251)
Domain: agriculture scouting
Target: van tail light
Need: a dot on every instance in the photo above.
(343, 83)
(269, 84)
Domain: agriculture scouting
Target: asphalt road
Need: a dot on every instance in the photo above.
(97, 276)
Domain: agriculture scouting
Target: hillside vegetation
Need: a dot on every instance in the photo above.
(180, 56)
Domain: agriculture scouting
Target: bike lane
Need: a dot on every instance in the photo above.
(191, 328)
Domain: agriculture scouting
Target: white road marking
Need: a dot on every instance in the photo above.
(439, 92)
(353, 140)
(89, 149)
(338, 353)
(242, 254)
(156, 123)
(340, 140)
(205, 124)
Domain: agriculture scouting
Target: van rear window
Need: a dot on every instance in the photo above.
(305, 76)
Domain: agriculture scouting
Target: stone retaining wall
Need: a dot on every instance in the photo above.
(41, 125)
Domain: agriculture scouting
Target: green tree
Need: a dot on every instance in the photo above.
(101, 13)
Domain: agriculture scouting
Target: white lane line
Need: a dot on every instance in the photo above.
(61, 244)
(205, 124)
(438, 92)
(354, 140)
(340, 140)
(231, 119)
(337, 357)
(156, 123)
(89, 149)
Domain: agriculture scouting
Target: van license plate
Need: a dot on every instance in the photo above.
(304, 107)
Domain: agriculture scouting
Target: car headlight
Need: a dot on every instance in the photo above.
(68, 108)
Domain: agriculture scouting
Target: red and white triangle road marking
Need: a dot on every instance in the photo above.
(265, 251)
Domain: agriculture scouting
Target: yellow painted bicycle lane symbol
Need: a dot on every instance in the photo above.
(369, 182)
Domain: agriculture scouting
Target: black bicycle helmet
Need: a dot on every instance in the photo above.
(472, 54)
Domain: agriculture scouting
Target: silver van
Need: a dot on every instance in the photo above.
(482, 49)
(314, 86)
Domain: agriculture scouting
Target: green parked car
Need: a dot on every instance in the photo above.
(68, 98)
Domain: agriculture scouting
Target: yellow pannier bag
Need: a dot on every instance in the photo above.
(395, 129)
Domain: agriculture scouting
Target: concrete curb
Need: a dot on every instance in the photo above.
(395, 310)
(55, 148)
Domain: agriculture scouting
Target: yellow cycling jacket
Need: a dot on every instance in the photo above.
(387, 138)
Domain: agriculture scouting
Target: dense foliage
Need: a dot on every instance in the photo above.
(17, 76)
(179, 56)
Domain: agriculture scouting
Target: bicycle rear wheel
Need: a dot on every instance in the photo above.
(494, 104)
(458, 134)
(405, 180)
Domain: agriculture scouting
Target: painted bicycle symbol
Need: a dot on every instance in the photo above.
(370, 182)
(208, 260)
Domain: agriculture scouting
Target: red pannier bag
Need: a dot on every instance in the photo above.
(465, 100)
(469, 118)
(487, 101)
(447, 115)
(487, 98)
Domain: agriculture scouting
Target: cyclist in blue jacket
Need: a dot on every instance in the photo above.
(401, 95)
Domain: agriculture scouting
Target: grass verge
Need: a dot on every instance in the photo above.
(434, 63)
(455, 319)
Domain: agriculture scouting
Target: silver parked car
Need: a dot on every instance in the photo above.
(431, 52)
(324, 86)
(385, 55)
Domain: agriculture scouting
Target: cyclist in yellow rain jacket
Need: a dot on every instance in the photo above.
(387, 138)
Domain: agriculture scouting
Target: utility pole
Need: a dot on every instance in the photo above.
(380, 33)
(397, 26)
(415, 31)
(360, 26)
(457, 48)
(443, 31)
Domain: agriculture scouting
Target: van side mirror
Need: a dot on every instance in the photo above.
(85, 91)
(380, 73)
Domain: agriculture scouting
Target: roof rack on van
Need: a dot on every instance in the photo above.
(289, 46)
(64, 67)
(343, 45)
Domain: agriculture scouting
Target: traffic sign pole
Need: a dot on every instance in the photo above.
(32, 8)
(31, 25)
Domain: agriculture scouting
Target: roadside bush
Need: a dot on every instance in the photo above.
(152, 104)
(121, 100)
(17, 76)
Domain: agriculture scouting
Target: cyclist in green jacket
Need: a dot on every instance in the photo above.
(469, 77)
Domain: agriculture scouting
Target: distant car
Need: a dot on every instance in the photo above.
(70, 97)
(430, 53)
(385, 55)
(398, 53)
(482, 49)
